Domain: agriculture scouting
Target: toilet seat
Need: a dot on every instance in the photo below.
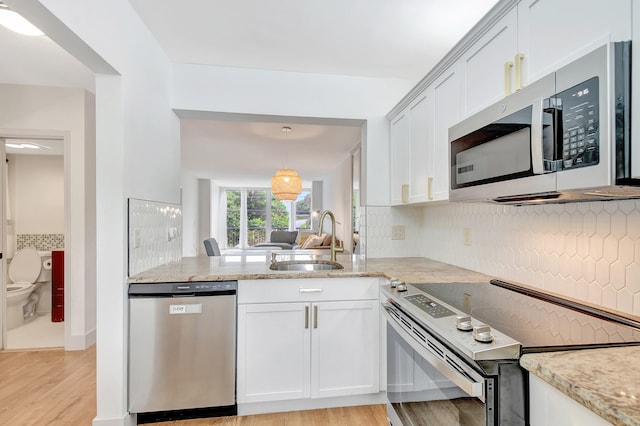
(25, 267)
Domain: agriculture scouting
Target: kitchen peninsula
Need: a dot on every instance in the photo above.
(607, 401)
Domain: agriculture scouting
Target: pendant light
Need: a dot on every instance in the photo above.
(286, 184)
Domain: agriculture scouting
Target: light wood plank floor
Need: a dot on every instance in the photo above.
(54, 387)
(47, 387)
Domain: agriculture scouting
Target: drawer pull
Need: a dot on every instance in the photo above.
(310, 290)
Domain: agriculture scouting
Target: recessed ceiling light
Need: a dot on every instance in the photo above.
(15, 22)
(30, 146)
(14, 145)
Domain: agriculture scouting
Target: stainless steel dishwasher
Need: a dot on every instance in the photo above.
(182, 350)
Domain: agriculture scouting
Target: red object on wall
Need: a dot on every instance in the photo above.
(57, 285)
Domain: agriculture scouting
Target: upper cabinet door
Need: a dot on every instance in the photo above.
(447, 94)
(488, 64)
(421, 148)
(400, 140)
(552, 33)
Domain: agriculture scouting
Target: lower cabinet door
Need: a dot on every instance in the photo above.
(345, 353)
(273, 352)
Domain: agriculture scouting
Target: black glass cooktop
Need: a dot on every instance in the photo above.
(521, 313)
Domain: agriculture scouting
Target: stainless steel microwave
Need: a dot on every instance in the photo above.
(565, 137)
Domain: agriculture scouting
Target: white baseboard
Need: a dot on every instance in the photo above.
(126, 420)
(80, 342)
(311, 404)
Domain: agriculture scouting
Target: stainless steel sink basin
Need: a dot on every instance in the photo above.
(305, 265)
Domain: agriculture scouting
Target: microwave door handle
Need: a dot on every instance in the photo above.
(537, 162)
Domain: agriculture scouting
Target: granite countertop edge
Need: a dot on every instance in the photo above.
(594, 378)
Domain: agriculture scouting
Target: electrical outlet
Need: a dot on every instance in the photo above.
(172, 233)
(466, 236)
(397, 232)
(137, 238)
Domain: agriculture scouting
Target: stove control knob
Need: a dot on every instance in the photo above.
(482, 333)
(463, 323)
(402, 286)
(394, 282)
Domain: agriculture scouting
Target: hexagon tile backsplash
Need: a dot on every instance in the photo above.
(589, 251)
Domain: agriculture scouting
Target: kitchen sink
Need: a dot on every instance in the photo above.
(305, 265)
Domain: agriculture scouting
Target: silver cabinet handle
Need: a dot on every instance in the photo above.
(315, 316)
(310, 290)
(306, 317)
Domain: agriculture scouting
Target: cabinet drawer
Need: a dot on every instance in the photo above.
(309, 289)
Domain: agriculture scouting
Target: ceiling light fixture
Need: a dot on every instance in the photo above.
(286, 184)
(16, 23)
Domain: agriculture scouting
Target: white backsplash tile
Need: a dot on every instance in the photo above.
(155, 234)
(588, 251)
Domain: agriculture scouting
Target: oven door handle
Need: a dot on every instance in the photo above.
(473, 386)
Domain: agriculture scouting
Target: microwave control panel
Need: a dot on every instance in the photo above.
(580, 117)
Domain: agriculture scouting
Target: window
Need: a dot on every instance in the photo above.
(303, 210)
(250, 219)
(256, 216)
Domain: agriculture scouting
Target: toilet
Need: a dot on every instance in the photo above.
(25, 270)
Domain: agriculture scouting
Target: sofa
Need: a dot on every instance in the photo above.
(285, 240)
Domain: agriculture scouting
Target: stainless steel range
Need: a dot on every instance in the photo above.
(453, 349)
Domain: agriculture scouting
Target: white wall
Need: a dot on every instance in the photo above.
(67, 113)
(336, 190)
(190, 215)
(137, 155)
(236, 90)
(36, 193)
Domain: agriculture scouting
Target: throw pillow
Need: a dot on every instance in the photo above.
(313, 241)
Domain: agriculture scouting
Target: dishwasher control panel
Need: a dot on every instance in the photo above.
(186, 288)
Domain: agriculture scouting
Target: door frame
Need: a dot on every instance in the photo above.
(31, 134)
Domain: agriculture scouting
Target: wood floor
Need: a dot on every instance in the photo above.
(50, 387)
(54, 387)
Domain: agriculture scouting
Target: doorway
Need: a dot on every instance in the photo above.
(33, 204)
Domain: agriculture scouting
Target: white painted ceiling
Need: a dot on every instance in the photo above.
(399, 39)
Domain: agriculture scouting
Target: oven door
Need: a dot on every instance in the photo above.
(429, 385)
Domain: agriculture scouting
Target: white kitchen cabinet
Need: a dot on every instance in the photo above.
(400, 154)
(413, 164)
(273, 352)
(553, 33)
(308, 338)
(421, 148)
(447, 95)
(516, 44)
(488, 64)
(535, 38)
(344, 348)
(549, 406)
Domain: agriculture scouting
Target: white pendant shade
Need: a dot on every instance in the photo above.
(286, 185)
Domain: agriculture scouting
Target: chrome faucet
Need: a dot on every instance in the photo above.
(334, 249)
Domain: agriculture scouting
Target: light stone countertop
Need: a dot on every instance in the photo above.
(600, 379)
(607, 381)
(252, 266)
